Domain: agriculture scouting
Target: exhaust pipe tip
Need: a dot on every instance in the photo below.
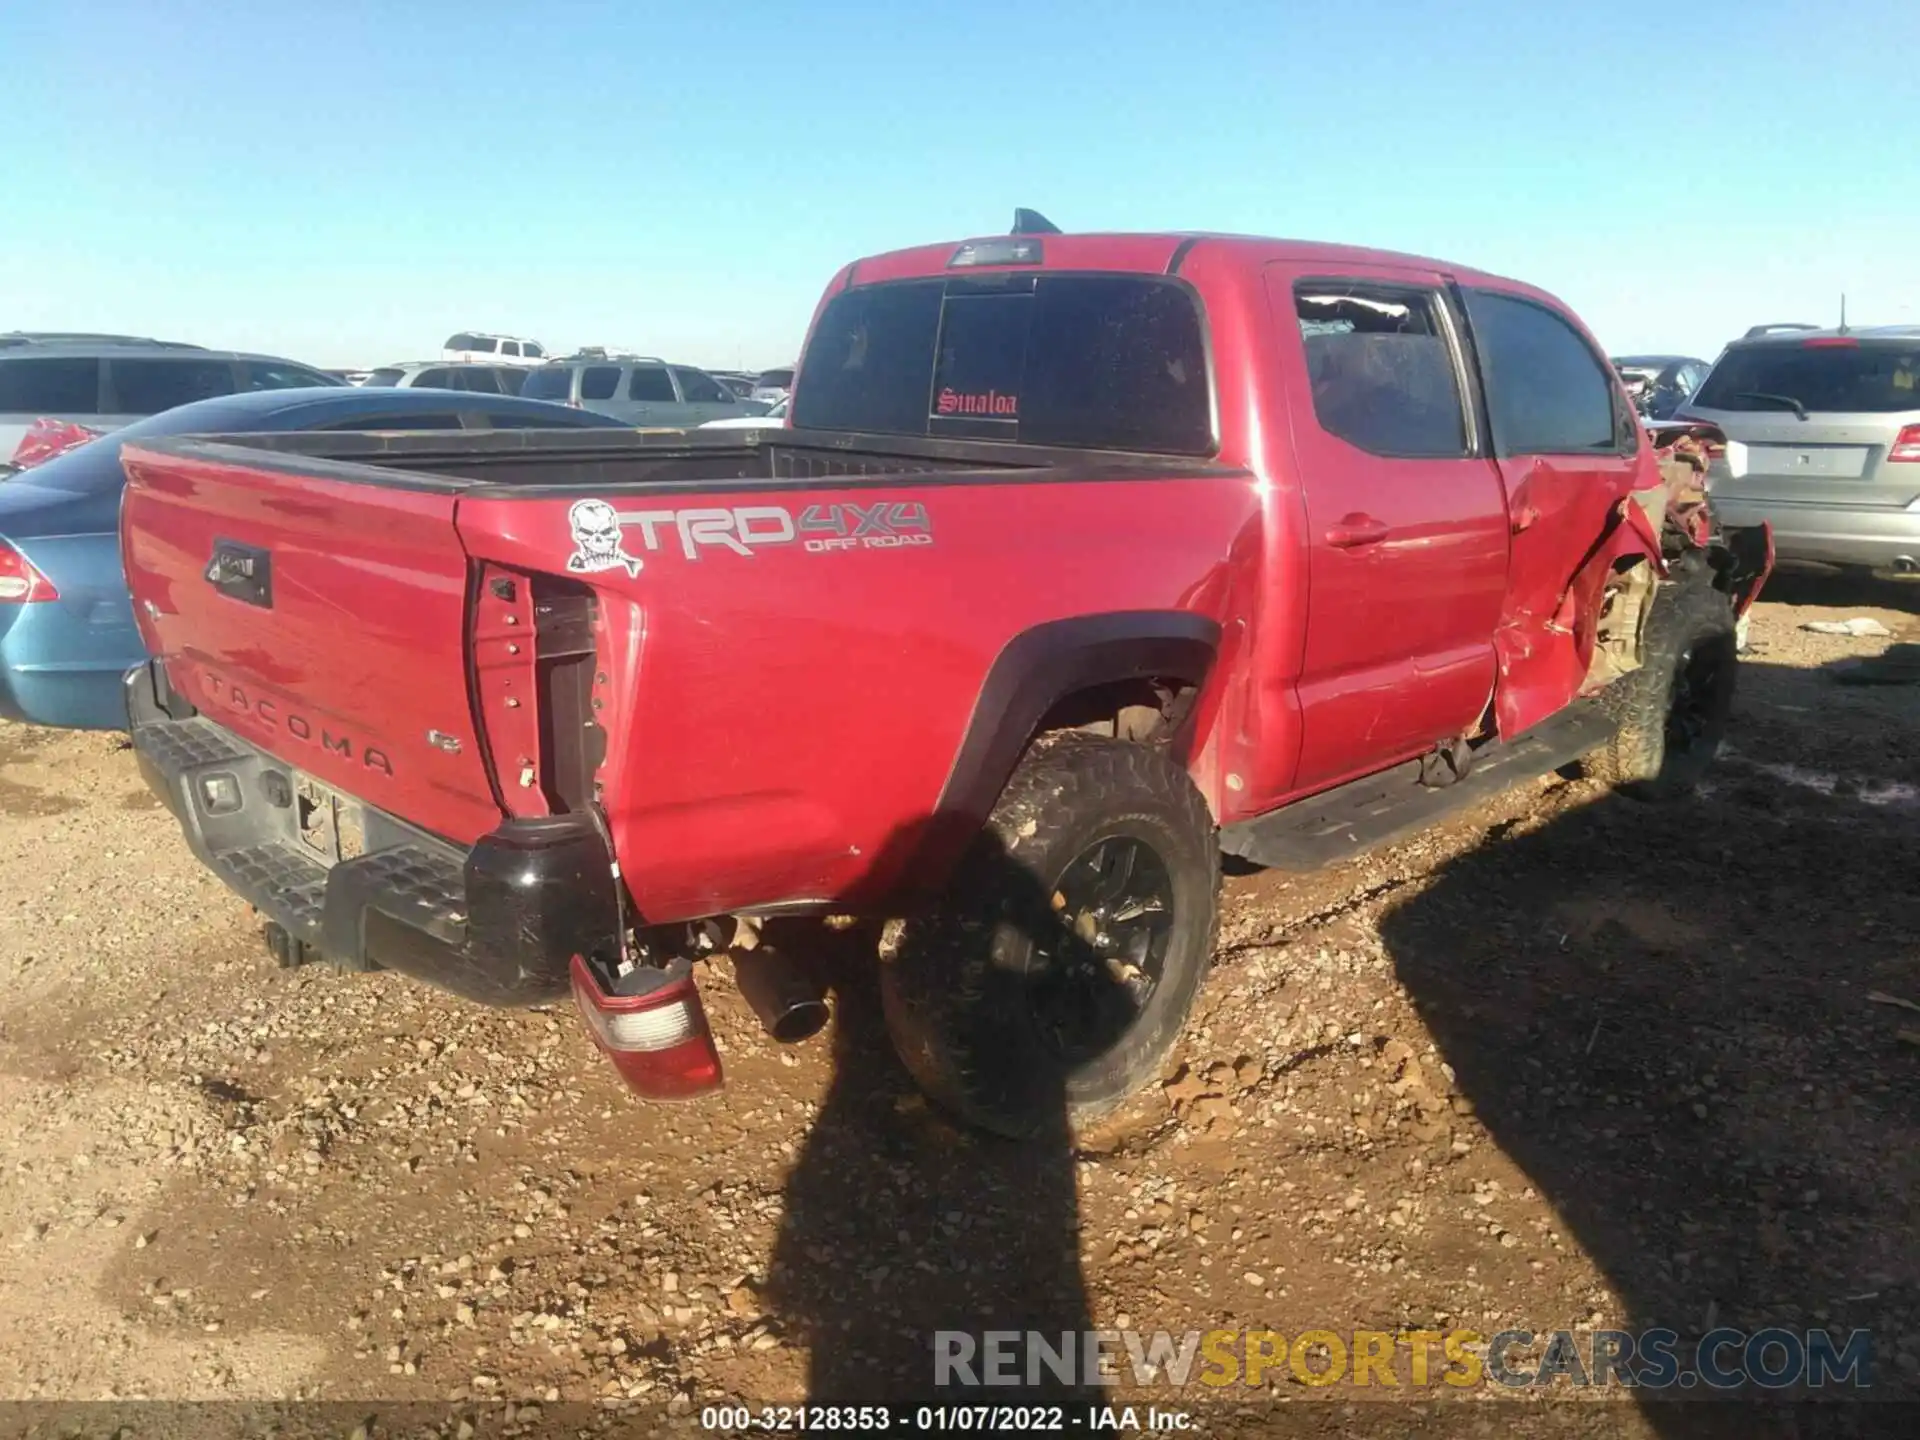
(1905, 565)
(789, 1003)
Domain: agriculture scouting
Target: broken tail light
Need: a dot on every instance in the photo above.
(1906, 445)
(20, 583)
(657, 1036)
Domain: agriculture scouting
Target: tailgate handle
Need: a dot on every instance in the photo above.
(244, 572)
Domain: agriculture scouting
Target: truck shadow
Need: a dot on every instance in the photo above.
(1662, 1014)
(901, 1224)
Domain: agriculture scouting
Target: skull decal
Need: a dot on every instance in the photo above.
(597, 543)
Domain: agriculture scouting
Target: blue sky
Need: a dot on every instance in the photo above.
(347, 183)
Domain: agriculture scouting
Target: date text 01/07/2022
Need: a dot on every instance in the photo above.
(936, 1419)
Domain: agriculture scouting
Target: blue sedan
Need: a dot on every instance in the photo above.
(66, 623)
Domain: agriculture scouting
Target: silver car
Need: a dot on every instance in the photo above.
(1824, 442)
(640, 392)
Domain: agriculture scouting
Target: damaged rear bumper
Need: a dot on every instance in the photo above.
(497, 923)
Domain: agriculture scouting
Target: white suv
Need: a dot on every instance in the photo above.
(470, 347)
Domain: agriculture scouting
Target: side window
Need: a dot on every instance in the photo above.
(532, 351)
(1381, 369)
(441, 420)
(266, 375)
(650, 382)
(510, 347)
(50, 387)
(598, 382)
(479, 380)
(482, 345)
(697, 387)
(1691, 377)
(146, 387)
(1547, 393)
(511, 381)
(434, 380)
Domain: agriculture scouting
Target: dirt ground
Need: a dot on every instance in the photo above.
(1569, 1062)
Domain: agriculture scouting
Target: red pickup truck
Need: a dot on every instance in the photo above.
(1086, 558)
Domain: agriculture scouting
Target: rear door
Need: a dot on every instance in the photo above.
(651, 398)
(603, 388)
(322, 619)
(1569, 449)
(1405, 520)
(146, 385)
(1817, 421)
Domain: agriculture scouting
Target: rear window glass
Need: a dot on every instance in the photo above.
(1102, 362)
(556, 384)
(146, 387)
(50, 387)
(650, 382)
(775, 378)
(479, 380)
(386, 376)
(1857, 379)
(598, 382)
(462, 341)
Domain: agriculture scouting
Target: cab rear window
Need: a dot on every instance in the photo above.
(1100, 362)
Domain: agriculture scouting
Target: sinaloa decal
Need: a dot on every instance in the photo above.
(743, 529)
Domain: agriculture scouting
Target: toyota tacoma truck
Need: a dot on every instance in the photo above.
(1085, 559)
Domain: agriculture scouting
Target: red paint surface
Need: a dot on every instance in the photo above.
(780, 724)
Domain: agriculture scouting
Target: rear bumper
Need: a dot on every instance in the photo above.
(1835, 534)
(498, 923)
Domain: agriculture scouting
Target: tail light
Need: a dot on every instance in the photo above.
(657, 1037)
(20, 583)
(1906, 445)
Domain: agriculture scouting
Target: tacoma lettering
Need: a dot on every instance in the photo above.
(268, 713)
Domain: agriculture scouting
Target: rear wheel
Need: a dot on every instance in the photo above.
(1054, 977)
(1672, 712)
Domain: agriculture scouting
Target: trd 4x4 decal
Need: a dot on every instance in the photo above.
(743, 529)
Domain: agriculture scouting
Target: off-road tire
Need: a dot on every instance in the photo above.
(1692, 634)
(955, 982)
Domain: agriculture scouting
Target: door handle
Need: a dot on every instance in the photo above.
(1357, 530)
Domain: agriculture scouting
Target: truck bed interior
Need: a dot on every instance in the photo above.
(507, 462)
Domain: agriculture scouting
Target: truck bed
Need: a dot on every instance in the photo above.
(507, 464)
(755, 653)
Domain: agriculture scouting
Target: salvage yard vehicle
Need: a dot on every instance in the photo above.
(1086, 558)
(1824, 441)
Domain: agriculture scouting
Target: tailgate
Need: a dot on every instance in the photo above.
(319, 618)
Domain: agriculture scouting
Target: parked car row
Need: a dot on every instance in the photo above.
(640, 391)
(67, 632)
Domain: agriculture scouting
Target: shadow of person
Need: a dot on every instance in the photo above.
(909, 1236)
(1662, 1015)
